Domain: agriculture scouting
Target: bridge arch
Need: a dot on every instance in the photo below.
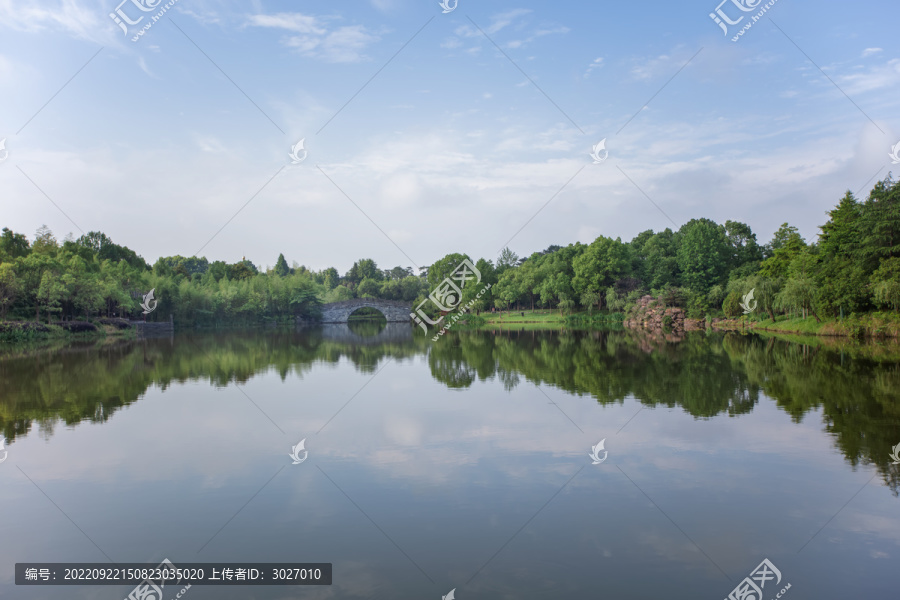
(339, 312)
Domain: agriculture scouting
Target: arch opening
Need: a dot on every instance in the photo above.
(367, 321)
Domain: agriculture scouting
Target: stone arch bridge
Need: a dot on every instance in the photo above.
(394, 311)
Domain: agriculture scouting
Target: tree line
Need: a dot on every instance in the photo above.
(852, 267)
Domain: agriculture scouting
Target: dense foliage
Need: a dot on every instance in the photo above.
(705, 267)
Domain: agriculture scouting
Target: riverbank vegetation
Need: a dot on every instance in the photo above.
(849, 274)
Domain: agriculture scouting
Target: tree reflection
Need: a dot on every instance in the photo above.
(855, 386)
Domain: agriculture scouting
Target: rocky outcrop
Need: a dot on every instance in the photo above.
(650, 313)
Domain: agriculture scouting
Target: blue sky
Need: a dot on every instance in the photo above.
(453, 144)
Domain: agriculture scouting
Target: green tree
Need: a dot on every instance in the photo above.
(506, 260)
(44, 242)
(50, 293)
(281, 267)
(880, 225)
(745, 251)
(9, 287)
(600, 265)
(842, 278)
(779, 263)
(784, 233)
(368, 288)
(885, 283)
(704, 253)
(659, 260)
(13, 245)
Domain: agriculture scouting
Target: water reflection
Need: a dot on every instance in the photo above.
(857, 388)
(447, 453)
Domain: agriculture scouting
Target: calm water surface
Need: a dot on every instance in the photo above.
(458, 464)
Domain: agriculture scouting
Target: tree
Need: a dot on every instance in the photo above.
(368, 288)
(880, 224)
(281, 267)
(600, 265)
(44, 242)
(218, 270)
(765, 291)
(30, 273)
(104, 249)
(13, 245)
(9, 287)
(242, 270)
(50, 293)
(784, 233)
(745, 251)
(842, 278)
(330, 278)
(589, 299)
(704, 253)
(364, 268)
(398, 273)
(885, 282)
(658, 260)
(778, 264)
(507, 259)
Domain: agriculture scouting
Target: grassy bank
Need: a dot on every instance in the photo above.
(524, 316)
(876, 325)
(25, 331)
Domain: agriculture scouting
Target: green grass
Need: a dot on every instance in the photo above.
(28, 331)
(879, 324)
(545, 316)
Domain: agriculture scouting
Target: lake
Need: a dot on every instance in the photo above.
(465, 464)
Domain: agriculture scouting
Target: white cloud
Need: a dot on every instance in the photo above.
(871, 51)
(297, 22)
(497, 22)
(598, 63)
(72, 16)
(539, 33)
(315, 39)
(873, 78)
(662, 65)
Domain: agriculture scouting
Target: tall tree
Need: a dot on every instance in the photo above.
(13, 245)
(704, 253)
(842, 278)
(600, 265)
(281, 267)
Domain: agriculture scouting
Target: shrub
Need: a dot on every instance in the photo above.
(76, 326)
(732, 305)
